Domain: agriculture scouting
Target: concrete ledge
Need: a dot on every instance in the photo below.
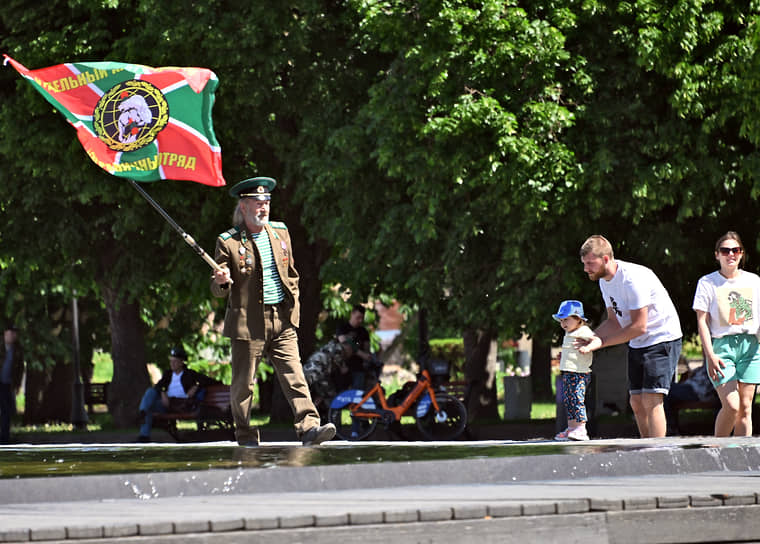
(634, 458)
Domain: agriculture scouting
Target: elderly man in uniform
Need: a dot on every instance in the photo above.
(260, 281)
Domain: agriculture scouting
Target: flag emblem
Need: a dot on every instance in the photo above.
(135, 121)
(130, 115)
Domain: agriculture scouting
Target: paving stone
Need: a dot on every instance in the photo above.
(539, 508)
(156, 528)
(119, 531)
(672, 502)
(435, 514)
(19, 535)
(365, 518)
(51, 533)
(191, 526)
(640, 503)
(704, 500)
(256, 524)
(605, 505)
(290, 522)
(474, 511)
(575, 506)
(736, 500)
(504, 510)
(222, 525)
(400, 516)
(331, 520)
(84, 532)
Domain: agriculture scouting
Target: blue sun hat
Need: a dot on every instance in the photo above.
(568, 308)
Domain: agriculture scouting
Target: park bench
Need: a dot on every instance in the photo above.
(212, 416)
(457, 389)
(95, 394)
(713, 406)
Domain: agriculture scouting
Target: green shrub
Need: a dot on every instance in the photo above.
(217, 370)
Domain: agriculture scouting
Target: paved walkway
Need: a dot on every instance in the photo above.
(661, 490)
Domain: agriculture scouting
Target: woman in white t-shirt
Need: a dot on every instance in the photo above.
(727, 303)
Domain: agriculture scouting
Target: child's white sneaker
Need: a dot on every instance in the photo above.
(562, 436)
(578, 433)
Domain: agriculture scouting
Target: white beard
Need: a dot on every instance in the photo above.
(252, 219)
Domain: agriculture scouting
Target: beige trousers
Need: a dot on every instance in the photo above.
(280, 345)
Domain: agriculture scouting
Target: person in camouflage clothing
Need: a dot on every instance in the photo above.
(323, 365)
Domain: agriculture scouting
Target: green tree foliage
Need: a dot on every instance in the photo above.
(453, 153)
(461, 144)
(668, 139)
(94, 233)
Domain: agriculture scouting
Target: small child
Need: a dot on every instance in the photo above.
(575, 369)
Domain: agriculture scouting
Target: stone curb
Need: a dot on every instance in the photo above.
(546, 509)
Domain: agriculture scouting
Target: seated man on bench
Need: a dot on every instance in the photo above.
(693, 387)
(180, 389)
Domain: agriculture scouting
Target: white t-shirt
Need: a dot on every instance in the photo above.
(570, 358)
(634, 287)
(732, 304)
(175, 388)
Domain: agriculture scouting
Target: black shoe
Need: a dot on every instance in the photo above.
(248, 443)
(142, 438)
(317, 435)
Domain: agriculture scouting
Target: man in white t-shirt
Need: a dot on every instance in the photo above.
(641, 314)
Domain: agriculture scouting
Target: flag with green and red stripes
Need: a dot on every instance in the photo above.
(136, 121)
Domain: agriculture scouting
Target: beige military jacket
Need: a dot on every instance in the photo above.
(244, 318)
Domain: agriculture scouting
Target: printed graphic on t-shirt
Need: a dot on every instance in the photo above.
(615, 307)
(734, 305)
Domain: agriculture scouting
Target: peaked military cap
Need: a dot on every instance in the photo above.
(259, 188)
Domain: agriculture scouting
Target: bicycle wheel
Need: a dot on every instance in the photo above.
(446, 424)
(350, 428)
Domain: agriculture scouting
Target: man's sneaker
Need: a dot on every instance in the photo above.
(562, 436)
(317, 435)
(579, 433)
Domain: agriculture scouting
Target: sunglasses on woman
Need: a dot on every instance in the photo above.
(729, 250)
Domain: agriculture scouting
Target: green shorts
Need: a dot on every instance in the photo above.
(740, 354)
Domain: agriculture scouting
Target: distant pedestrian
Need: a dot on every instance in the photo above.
(575, 369)
(11, 374)
(727, 302)
(641, 314)
(354, 333)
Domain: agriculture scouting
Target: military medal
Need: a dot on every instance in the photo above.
(245, 258)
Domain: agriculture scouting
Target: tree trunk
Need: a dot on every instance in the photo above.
(541, 369)
(58, 394)
(480, 373)
(130, 373)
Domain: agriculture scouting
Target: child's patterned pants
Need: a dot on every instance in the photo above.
(574, 386)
